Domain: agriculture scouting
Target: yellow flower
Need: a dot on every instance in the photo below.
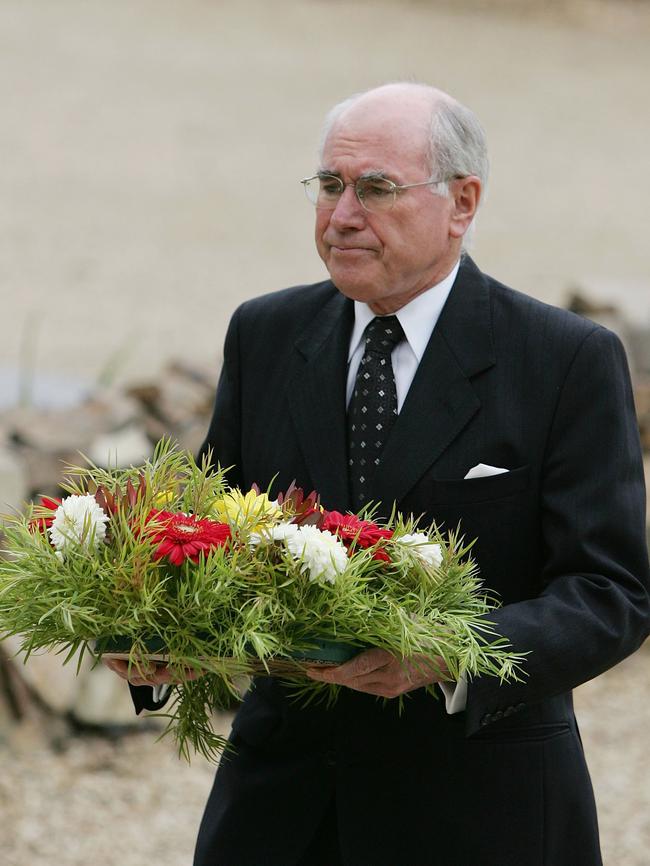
(254, 510)
(164, 498)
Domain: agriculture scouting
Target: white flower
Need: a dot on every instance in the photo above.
(284, 532)
(281, 532)
(322, 554)
(78, 521)
(426, 549)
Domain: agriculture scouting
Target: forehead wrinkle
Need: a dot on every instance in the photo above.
(355, 140)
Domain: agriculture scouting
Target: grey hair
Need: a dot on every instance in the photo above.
(456, 142)
(457, 148)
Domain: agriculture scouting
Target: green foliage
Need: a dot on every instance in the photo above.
(242, 608)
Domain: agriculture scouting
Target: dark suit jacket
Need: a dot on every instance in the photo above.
(505, 380)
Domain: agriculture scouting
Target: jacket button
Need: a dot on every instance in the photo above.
(487, 718)
(330, 758)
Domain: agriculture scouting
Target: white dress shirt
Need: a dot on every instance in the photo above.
(418, 318)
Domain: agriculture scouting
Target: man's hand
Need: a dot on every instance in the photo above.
(377, 672)
(148, 674)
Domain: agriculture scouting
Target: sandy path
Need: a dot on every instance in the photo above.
(135, 803)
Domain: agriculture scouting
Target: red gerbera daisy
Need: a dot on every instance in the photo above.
(182, 536)
(44, 516)
(355, 532)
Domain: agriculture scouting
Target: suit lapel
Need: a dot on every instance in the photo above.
(441, 400)
(317, 399)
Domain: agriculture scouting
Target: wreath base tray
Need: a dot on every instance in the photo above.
(319, 652)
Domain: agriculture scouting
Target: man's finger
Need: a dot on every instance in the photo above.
(360, 666)
(149, 674)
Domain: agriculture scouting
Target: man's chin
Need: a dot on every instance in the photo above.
(355, 283)
(356, 291)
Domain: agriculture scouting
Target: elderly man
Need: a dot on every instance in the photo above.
(411, 377)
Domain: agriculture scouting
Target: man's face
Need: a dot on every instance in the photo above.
(384, 259)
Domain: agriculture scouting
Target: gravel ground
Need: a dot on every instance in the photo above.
(133, 802)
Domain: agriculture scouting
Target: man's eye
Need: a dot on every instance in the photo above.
(376, 190)
(330, 187)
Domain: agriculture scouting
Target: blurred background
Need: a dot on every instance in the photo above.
(150, 153)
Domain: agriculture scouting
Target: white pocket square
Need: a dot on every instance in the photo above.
(483, 470)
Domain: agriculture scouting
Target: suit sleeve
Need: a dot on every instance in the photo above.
(593, 609)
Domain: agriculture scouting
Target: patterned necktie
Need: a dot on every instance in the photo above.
(373, 405)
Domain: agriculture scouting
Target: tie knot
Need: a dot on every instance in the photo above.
(383, 334)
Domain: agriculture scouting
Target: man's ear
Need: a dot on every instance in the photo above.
(466, 195)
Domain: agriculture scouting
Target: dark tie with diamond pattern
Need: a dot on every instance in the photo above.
(373, 405)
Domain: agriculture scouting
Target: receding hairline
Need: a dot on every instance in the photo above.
(431, 98)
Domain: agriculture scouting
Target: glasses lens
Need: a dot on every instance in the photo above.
(324, 191)
(376, 194)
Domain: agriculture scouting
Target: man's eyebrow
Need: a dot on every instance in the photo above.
(372, 174)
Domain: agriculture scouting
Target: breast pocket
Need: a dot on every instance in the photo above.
(499, 514)
(488, 489)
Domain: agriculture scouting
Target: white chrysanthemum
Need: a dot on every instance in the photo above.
(322, 554)
(78, 521)
(426, 549)
(281, 532)
(284, 531)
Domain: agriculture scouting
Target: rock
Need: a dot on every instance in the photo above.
(44, 472)
(55, 432)
(103, 699)
(96, 696)
(639, 338)
(45, 440)
(578, 302)
(54, 684)
(13, 480)
(126, 447)
(606, 314)
(182, 394)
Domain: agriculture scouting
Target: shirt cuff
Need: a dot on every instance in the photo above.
(455, 695)
(160, 693)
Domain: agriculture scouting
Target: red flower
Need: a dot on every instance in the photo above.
(180, 536)
(43, 521)
(354, 532)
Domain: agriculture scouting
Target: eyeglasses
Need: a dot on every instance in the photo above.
(375, 194)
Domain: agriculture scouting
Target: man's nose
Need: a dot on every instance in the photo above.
(349, 212)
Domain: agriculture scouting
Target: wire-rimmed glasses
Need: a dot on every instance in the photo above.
(375, 193)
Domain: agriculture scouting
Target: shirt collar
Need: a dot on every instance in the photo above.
(418, 318)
